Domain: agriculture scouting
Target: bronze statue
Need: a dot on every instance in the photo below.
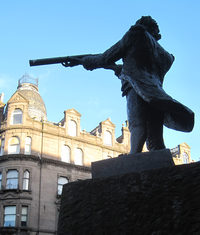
(145, 64)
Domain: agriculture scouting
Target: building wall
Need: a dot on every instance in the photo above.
(45, 163)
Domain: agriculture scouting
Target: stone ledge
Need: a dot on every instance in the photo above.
(132, 163)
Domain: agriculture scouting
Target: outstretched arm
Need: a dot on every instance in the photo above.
(107, 59)
(116, 52)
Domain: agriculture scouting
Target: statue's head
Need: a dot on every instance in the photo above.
(151, 25)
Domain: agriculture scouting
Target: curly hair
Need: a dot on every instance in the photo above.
(151, 25)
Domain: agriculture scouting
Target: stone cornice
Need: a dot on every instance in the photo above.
(111, 148)
(14, 157)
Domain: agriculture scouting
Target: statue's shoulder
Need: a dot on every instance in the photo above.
(136, 32)
(137, 29)
(135, 35)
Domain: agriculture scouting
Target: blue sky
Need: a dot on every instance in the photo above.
(40, 29)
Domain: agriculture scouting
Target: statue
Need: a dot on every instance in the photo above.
(145, 64)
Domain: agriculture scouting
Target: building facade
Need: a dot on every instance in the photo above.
(37, 157)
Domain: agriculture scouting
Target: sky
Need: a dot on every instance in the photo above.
(46, 28)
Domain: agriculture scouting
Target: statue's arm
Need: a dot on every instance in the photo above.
(115, 52)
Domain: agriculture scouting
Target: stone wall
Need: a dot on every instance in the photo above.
(155, 202)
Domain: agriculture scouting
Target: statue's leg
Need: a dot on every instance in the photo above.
(137, 119)
(155, 122)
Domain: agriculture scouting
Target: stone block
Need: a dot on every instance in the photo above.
(138, 162)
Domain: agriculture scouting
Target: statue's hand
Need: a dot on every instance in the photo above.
(87, 62)
(71, 61)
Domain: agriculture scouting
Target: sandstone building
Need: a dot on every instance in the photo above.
(38, 156)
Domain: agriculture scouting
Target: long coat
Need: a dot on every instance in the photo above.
(145, 64)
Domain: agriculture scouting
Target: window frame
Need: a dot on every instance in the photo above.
(59, 184)
(72, 129)
(63, 157)
(2, 147)
(185, 158)
(15, 113)
(27, 179)
(4, 215)
(17, 145)
(29, 145)
(76, 156)
(11, 179)
(108, 138)
(24, 206)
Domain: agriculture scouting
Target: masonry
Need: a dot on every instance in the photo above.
(156, 202)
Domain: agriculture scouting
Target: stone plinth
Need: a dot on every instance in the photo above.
(132, 163)
(155, 202)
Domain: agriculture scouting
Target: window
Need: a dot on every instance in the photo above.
(108, 138)
(72, 128)
(27, 149)
(14, 146)
(24, 215)
(65, 154)
(61, 182)
(12, 179)
(9, 216)
(26, 178)
(78, 158)
(0, 179)
(2, 147)
(185, 158)
(17, 117)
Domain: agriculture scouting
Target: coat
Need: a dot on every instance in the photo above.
(145, 63)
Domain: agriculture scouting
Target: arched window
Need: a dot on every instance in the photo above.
(65, 154)
(2, 147)
(17, 117)
(108, 138)
(12, 179)
(72, 128)
(27, 149)
(78, 158)
(61, 182)
(14, 146)
(185, 158)
(26, 179)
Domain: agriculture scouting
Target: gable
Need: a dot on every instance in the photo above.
(9, 195)
(73, 112)
(108, 122)
(17, 97)
(184, 145)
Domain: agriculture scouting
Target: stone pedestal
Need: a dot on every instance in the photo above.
(132, 163)
(164, 201)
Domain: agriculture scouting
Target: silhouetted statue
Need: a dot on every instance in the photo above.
(145, 64)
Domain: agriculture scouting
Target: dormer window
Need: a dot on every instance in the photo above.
(72, 128)
(17, 117)
(185, 158)
(108, 138)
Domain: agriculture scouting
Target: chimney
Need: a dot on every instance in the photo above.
(1, 97)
